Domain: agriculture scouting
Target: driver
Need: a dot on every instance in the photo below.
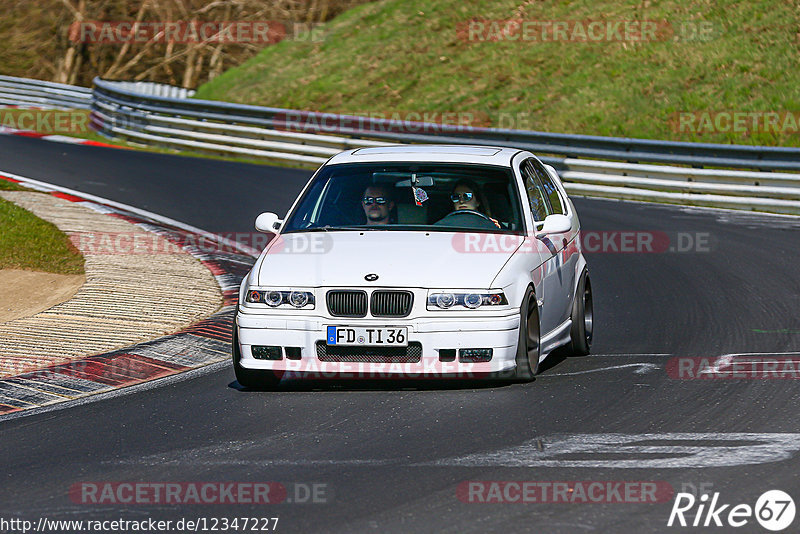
(377, 204)
(468, 196)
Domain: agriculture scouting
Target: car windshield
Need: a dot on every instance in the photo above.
(409, 196)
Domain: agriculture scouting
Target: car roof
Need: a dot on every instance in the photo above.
(487, 155)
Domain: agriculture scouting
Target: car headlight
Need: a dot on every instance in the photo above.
(275, 298)
(446, 300)
(298, 299)
(473, 300)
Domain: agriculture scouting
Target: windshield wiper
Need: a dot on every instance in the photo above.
(329, 228)
(359, 227)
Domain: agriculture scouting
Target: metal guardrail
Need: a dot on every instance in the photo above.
(156, 89)
(158, 114)
(25, 92)
(572, 146)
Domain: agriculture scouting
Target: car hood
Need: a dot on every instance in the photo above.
(400, 259)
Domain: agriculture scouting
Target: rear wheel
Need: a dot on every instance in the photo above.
(251, 378)
(582, 317)
(528, 343)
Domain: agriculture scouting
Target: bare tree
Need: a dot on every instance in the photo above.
(63, 43)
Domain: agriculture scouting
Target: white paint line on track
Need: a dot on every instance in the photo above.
(722, 361)
(45, 186)
(760, 354)
(64, 139)
(726, 360)
(615, 451)
(374, 462)
(637, 451)
(641, 368)
(593, 355)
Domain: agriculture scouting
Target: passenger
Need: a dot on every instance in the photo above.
(377, 204)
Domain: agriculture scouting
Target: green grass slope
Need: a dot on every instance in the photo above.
(412, 56)
(30, 243)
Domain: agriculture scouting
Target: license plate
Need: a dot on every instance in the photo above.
(368, 336)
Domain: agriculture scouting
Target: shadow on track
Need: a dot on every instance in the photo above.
(333, 383)
(375, 384)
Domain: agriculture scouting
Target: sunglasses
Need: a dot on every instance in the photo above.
(463, 197)
(368, 201)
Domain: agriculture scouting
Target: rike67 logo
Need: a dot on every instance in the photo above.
(774, 510)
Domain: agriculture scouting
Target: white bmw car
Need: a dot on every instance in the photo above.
(417, 261)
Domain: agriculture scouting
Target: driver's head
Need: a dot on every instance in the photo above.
(465, 196)
(377, 204)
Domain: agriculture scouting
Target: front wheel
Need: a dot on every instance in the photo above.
(528, 343)
(582, 317)
(251, 378)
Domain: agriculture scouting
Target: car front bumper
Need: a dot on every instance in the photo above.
(499, 332)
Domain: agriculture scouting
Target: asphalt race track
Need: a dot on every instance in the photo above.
(391, 456)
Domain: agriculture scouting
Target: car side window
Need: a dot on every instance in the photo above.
(550, 188)
(534, 189)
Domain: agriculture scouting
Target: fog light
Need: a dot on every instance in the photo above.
(447, 355)
(261, 352)
(474, 355)
(293, 353)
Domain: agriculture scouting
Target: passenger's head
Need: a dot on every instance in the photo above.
(377, 204)
(467, 195)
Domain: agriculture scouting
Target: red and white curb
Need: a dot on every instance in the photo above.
(201, 344)
(53, 137)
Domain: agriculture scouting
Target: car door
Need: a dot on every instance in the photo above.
(549, 314)
(566, 249)
(572, 251)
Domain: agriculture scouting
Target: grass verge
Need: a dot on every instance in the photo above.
(413, 56)
(30, 243)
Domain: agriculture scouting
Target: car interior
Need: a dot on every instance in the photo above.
(340, 197)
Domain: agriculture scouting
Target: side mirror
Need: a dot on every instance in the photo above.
(555, 224)
(268, 223)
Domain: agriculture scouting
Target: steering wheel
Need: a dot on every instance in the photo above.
(449, 219)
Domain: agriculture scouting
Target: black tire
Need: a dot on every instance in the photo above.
(251, 378)
(528, 341)
(582, 318)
